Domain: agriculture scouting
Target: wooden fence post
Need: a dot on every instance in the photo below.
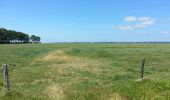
(6, 77)
(142, 68)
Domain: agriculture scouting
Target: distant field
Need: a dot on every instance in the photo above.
(82, 71)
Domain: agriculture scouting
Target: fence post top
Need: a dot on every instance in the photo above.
(4, 64)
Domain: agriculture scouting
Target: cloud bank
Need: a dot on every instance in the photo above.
(142, 22)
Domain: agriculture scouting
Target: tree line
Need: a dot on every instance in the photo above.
(12, 36)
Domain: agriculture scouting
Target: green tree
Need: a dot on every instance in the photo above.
(11, 36)
(33, 38)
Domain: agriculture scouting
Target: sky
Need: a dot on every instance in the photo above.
(89, 20)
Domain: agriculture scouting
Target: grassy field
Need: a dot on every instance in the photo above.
(83, 71)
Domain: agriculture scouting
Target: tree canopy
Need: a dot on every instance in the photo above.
(35, 39)
(12, 36)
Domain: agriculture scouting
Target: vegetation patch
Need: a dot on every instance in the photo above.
(86, 71)
(54, 92)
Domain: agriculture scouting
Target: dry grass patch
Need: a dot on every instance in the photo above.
(70, 70)
(54, 92)
(61, 62)
(117, 96)
(58, 56)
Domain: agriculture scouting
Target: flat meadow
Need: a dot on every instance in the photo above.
(86, 71)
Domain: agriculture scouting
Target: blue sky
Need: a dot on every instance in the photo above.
(89, 20)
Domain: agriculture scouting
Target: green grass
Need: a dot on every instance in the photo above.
(82, 71)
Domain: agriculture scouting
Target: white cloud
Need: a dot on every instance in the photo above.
(165, 32)
(125, 27)
(142, 22)
(141, 33)
(139, 19)
(130, 19)
(143, 19)
(148, 22)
